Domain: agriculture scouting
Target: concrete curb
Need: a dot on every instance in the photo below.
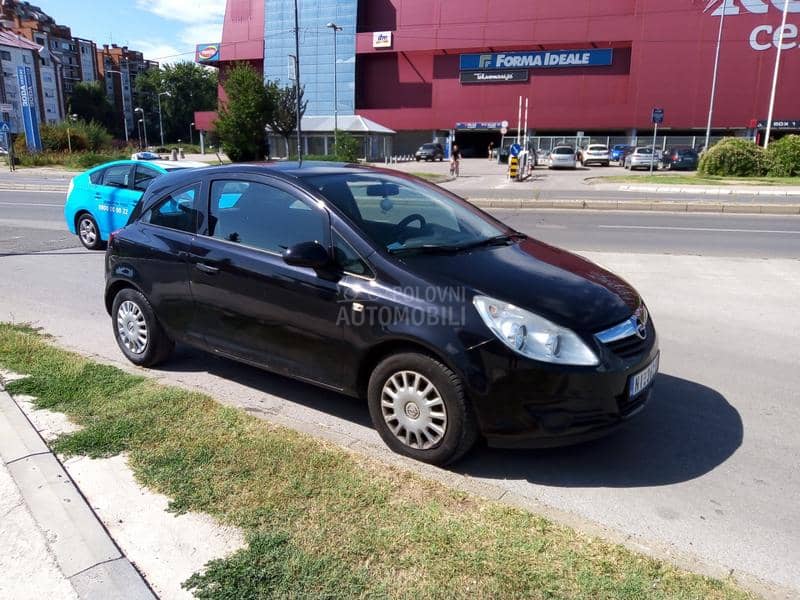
(642, 205)
(87, 556)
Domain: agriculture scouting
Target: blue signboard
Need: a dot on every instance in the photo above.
(593, 57)
(28, 97)
(515, 149)
(658, 116)
(482, 126)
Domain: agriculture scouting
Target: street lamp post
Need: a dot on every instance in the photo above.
(139, 131)
(144, 125)
(714, 80)
(775, 75)
(72, 119)
(191, 134)
(122, 95)
(297, 82)
(160, 121)
(336, 29)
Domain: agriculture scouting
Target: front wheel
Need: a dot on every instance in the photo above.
(89, 232)
(138, 333)
(419, 408)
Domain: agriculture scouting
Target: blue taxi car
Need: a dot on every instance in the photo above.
(100, 201)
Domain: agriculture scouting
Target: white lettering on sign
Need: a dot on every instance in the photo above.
(549, 60)
(755, 7)
(765, 37)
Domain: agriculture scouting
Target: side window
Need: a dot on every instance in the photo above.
(180, 210)
(117, 176)
(347, 258)
(97, 177)
(144, 177)
(262, 216)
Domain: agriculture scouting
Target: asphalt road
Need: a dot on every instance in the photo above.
(709, 470)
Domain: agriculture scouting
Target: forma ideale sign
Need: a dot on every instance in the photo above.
(205, 53)
(28, 102)
(595, 57)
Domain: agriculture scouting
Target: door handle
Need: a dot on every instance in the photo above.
(207, 268)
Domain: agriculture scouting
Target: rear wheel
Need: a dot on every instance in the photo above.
(89, 232)
(420, 410)
(138, 333)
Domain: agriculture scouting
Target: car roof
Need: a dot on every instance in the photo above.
(126, 162)
(287, 170)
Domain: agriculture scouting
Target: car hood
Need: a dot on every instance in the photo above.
(562, 287)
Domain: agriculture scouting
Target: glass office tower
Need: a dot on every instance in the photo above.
(316, 51)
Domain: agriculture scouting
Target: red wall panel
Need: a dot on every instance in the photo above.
(664, 57)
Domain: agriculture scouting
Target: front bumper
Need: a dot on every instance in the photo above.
(527, 404)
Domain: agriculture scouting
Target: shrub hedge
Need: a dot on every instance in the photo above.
(784, 157)
(734, 157)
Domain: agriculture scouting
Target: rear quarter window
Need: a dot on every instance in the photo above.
(96, 177)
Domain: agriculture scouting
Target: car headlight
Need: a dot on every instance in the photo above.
(533, 336)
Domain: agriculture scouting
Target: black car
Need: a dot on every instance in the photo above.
(680, 159)
(379, 285)
(429, 152)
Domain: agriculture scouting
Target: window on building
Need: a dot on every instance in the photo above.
(5, 54)
(40, 41)
(26, 59)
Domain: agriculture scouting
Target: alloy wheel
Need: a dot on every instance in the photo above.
(132, 327)
(87, 231)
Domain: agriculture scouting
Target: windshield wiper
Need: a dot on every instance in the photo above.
(497, 240)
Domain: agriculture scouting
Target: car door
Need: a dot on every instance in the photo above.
(115, 199)
(249, 303)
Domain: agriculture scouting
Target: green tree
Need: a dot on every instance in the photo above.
(347, 147)
(284, 115)
(245, 114)
(191, 88)
(89, 101)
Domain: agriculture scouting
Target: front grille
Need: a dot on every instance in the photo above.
(628, 347)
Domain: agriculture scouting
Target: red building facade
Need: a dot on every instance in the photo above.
(663, 56)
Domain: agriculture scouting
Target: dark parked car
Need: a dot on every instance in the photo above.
(379, 285)
(680, 159)
(428, 152)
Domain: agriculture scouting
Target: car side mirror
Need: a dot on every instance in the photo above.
(307, 254)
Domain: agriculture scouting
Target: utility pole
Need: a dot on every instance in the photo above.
(297, 82)
(160, 120)
(336, 29)
(775, 75)
(714, 80)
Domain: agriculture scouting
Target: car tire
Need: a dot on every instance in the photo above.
(89, 232)
(438, 433)
(418, 159)
(132, 318)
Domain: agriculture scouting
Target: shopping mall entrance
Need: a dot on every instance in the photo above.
(474, 143)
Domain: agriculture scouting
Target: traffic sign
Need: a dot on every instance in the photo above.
(504, 130)
(4, 128)
(515, 149)
(658, 116)
(504, 124)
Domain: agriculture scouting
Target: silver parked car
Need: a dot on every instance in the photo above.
(563, 157)
(596, 154)
(641, 158)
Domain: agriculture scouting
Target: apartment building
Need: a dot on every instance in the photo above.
(15, 53)
(119, 67)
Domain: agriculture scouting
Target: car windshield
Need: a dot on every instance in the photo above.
(402, 215)
(598, 149)
(428, 147)
(644, 151)
(563, 150)
(685, 152)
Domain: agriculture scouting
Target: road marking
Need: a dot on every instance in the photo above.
(705, 229)
(29, 204)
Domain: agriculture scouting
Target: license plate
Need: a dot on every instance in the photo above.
(642, 380)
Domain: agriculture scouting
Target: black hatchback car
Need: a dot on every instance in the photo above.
(680, 159)
(379, 285)
(429, 152)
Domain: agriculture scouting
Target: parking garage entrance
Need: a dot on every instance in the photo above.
(473, 139)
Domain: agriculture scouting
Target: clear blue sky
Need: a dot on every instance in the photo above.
(161, 29)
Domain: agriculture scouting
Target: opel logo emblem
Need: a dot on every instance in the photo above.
(641, 328)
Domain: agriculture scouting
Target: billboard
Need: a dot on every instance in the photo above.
(28, 101)
(206, 53)
(535, 59)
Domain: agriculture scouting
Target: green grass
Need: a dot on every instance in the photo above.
(322, 522)
(432, 177)
(694, 179)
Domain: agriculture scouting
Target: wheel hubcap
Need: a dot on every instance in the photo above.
(88, 232)
(414, 410)
(132, 327)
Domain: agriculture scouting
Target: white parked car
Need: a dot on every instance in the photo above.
(641, 158)
(563, 157)
(596, 154)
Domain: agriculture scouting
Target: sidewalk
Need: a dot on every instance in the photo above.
(53, 544)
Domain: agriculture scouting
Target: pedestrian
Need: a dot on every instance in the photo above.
(455, 160)
(491, 150)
